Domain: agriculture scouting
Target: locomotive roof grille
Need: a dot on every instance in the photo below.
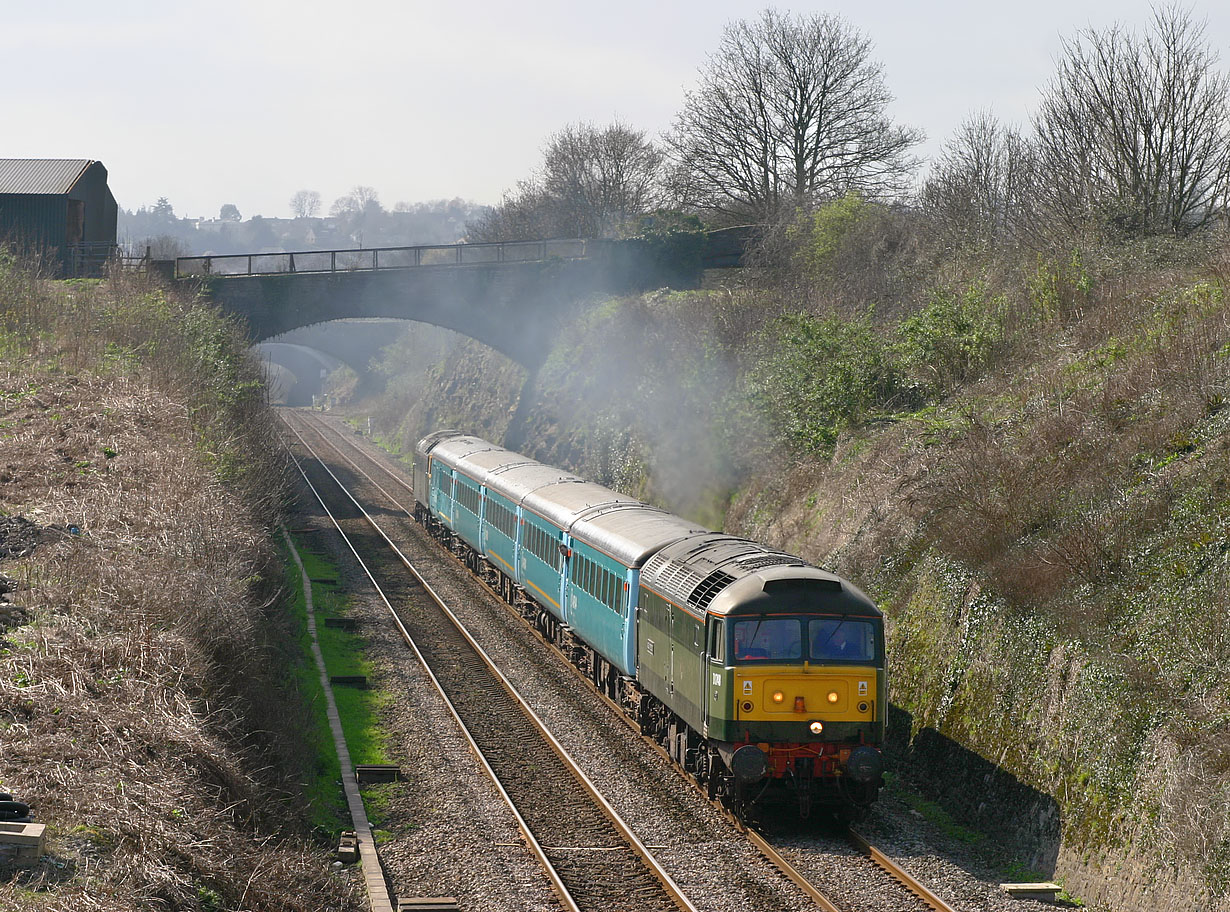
(751, 564)
(673, 577)
(712, 584)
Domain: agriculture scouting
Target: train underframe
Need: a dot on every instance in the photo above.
(807, 782)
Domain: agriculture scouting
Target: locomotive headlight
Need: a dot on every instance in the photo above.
(832, 696)
(778, 696)
(816, 727)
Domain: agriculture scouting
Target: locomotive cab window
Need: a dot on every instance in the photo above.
(838, 639)
(820, 640)
(768, 639)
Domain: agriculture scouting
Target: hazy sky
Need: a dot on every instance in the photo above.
(247, 102)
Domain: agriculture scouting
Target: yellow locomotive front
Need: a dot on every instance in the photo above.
(776, 666)
(804, 712)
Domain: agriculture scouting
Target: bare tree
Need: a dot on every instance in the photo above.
(593, 182)
(162, 247)
(1134, 132)
(359, 212)
(599, 178)
(980, 189)
(789, 110)
(360, 200)
(305, 204)
(525, 213)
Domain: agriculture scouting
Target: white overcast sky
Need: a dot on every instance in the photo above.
(247, 101)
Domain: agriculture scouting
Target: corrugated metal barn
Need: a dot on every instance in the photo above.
(59, 209)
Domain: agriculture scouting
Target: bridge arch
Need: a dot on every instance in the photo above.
(513, 307)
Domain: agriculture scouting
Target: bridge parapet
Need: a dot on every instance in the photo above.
(374, 259)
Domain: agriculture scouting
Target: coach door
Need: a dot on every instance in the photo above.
(714, 671)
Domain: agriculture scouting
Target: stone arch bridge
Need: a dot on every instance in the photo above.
(509, 296)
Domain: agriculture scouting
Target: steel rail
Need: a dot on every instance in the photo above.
(672, 889)
(898, 873)
(793, 874)
(883, 861)
(557, 884)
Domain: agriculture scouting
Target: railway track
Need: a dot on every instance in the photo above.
(592, 858)
(881, 882)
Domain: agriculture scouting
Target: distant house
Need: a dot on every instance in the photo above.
(59, 209)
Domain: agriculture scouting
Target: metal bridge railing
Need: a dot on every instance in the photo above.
(369, 259)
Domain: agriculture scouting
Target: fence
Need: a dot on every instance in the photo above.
(376, 258)
(90, 260)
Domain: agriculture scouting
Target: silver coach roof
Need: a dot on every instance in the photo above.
(630, 533)
(517, 481)
(424, 446)
(564, 502)
(614, 523)
(454, 451)
(484, 462)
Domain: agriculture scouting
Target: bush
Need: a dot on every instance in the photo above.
(822, 375)
(817, 237)
(951, 339)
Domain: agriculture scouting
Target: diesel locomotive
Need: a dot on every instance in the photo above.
(763, 676)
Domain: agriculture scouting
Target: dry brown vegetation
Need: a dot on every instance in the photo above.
(1050, 541)
(143, 712)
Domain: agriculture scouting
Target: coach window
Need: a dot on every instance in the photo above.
(717, 641)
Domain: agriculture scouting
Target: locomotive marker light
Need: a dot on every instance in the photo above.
(799, 706)
(778, 696)
(832, 696)
(816, 727)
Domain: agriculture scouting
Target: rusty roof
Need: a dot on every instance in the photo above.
(41, 175)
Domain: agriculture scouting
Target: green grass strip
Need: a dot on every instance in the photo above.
(358, 709)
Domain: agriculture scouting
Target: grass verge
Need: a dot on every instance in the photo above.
(358, 709)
